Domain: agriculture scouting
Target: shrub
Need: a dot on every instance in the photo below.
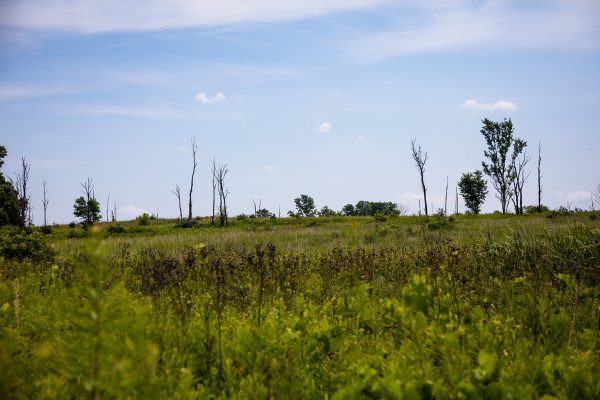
(46, 229)
(115, 230)
(380, 218)
(25, 245)
(77, 234)
(143, 220)
(72, 224)
(186, 224)
(534, 209)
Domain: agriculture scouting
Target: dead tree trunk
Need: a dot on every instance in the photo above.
(114, 212)
(420, 159)
(214, 190)
(221, 172)
(107, 205)
(456, 201)
(520, 176)
(20, 183)
(539, 177)
(177, 192)
(194, 149)
(45, 201)
(446, 199)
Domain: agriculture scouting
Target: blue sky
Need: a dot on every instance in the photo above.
(312, 97)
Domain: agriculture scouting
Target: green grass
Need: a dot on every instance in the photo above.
(491, 306)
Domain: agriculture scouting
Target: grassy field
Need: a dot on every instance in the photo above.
(493, 306)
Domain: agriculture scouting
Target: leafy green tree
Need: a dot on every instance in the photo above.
(473, 189)
(9, 203)
(87, 208)
(370, 208)
(305, 206)
(264, 213)
(499, 138)
(348, 210)
(327, 212)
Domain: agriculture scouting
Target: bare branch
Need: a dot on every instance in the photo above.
(420, 160)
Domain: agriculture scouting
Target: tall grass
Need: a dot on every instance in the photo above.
(477, 307)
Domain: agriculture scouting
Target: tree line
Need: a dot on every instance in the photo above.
(505, 164)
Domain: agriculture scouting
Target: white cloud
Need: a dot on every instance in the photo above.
(502, 105)
(90, 16)
(127, 111)
(130, 212)
(204, 99)
(8, 93)
(454, 26)
(269, 168)
(325, 127)
(576, 196)
(359, 137)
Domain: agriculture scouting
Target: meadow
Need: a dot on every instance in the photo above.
(479, 307)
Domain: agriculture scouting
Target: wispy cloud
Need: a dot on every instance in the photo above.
(130, 212)
(359, 137)
(502, 105)
(12, 92)
(269, 168)
(127, 111)
(325, 127)
(91, 16)
(203, 98)
(455, 26)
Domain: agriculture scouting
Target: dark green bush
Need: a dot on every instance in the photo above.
(25, 245)
(115, 230)
(144, 219)
(46, 229)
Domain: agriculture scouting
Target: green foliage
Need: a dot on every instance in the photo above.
(370, 208)
(46, 229)
(348, 210)
(115, 229)
(473, 190)
(9, 203)
(143, 220)
(264, 213)
(327, 212)
(535, 210)
(25, 245)
(87, 210)
(493, 311)
(305, 206)
(499, 139)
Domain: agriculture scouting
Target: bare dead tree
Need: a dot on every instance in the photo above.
(214, 190)
(259, 206)
(107, 205)
(194, 149)
(420, 160)
(519, 177)
(597, 194)
(446, 198)
(45, 200)
(220, 174)
(456, 201)
(23, 198)
(114, 212)
(177, 192)
(539, 177)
